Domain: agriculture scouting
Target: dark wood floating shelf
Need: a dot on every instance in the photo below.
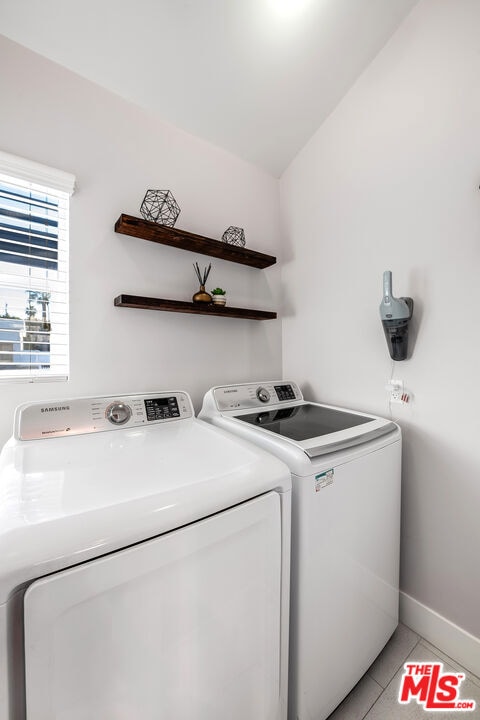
(147, 230)
(146, 303)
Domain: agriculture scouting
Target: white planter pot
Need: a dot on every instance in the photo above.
(219, 299)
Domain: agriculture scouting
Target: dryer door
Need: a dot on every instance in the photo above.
(185, 626)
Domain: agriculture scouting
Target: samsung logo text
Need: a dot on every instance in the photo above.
(57, 408)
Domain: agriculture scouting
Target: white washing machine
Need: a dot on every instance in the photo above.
(345, 531)
(144, 566)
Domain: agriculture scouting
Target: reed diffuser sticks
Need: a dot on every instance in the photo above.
(202, 277)
(201, 296)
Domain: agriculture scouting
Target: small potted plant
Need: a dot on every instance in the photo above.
(219, 296)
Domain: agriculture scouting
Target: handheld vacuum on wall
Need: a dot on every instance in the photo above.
(395, 314)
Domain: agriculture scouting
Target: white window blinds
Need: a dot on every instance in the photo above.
(34, 316)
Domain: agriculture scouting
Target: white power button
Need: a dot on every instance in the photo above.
(118, 413)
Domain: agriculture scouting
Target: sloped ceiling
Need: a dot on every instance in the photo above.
(256, 77)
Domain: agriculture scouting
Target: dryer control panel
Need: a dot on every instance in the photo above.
(79, 416)
(254, 395)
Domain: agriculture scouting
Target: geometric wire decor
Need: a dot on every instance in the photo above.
(160, 206)
(234, 236)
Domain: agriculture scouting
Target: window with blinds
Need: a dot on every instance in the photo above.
(33, 274)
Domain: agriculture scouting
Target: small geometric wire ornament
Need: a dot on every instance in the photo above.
(234, 236)
(161, 207)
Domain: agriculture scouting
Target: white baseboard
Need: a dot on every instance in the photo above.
(451, 639)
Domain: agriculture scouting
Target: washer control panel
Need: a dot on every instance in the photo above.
(243, 397)
(98, 414)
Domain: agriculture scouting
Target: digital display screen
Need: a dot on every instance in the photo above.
(284, 392)
(161, 408)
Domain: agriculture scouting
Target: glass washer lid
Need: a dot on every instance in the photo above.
(303, 422)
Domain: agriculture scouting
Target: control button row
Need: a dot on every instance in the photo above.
(285, 392)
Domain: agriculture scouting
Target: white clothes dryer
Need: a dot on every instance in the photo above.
(345, 531)
(144, 565)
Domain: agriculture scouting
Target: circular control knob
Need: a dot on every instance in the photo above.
(263, 395)
(118, 413)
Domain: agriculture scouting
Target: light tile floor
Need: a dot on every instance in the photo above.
(375, 696)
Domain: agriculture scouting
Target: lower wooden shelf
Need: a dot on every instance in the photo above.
(146, 303)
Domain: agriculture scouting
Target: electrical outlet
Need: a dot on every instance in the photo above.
(397, 392)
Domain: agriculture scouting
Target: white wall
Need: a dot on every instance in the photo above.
(390, 181)
(116, 151)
